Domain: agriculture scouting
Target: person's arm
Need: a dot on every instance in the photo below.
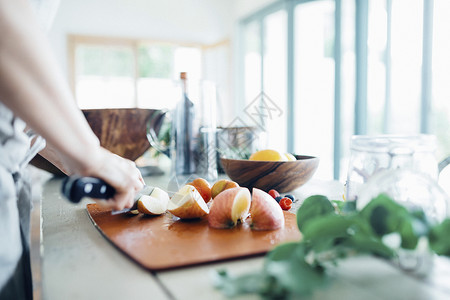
(32, 86)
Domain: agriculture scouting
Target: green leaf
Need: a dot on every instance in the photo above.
(313, 207)
(339, 204)
(368, 244)
(252, 283)
(285, 251)
(387, 216)
(287, 265)
(439, 238)
(327, 227)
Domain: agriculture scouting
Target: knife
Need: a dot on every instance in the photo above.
(75, 188)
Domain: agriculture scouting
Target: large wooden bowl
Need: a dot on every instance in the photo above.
(283, 176)
(122, 131)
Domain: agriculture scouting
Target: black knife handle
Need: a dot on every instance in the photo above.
(75, 188)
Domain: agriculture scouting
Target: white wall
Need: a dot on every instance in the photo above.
(198, 21)
(243, 8)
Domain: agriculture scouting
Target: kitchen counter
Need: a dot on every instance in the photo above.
(79, 263)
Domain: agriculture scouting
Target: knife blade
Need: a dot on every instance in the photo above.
(75, 188)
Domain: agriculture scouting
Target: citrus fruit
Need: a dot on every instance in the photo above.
(290, 157)
(268, 155)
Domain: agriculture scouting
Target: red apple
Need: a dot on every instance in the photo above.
(203, 187)
(266, 213)
(229, 207)
(221, 186)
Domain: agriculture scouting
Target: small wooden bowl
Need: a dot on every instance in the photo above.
(283, 176)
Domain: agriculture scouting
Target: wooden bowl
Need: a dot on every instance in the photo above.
(122, 131)
(283, 176)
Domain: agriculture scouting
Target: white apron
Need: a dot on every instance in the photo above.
(15, 205)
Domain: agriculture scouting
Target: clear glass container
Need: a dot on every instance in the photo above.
(415, 191)
(373, 154)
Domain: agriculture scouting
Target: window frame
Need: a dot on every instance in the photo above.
(73, 40)
(361, 67)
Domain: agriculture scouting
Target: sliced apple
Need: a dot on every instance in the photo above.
(187, 203)
(203, 187)
(151, 206)
(221, 186)
(266, 213)
(229, 207)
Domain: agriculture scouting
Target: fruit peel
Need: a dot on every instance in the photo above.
(222, 185)
(266, 213)
(229, 208)
(203, 187)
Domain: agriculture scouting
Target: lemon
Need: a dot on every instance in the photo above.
(290, 157)
(268, 155)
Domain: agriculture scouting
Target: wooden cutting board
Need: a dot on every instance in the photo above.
(165, 242)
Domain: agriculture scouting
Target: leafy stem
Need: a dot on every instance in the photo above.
(296, 269)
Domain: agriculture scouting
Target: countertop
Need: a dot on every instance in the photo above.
(79, 263)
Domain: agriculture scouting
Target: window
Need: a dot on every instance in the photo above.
(314, 82)
(350, 66)
(112, 73)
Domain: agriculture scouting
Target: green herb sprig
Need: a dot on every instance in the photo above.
(330, 232)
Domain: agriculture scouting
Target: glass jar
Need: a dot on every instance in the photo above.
(373, 154)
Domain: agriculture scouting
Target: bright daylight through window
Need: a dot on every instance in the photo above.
(346, 67)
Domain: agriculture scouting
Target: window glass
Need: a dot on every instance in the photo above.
(347, 82)
(159, 68)
(314, 83)
(252, 62)
(406, 54)
(440, 118)
(376, 66)
(275, 79)
(135, 74)
(104, 76)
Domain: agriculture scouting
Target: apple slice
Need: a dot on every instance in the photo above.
(266, 213)
(221, 186)
(203, 187)
(153, 204)
(229, 207)
(187, 203)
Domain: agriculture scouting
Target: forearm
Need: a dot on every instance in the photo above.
(31, 82)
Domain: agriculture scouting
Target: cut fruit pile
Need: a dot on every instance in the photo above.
(228, 205)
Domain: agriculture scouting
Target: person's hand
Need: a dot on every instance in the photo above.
(120, 173)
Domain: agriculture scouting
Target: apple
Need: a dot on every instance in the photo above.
(266, 213)
(221, 186)
(187, 203)
(229, 208)
(203, 187)
(153, 204)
